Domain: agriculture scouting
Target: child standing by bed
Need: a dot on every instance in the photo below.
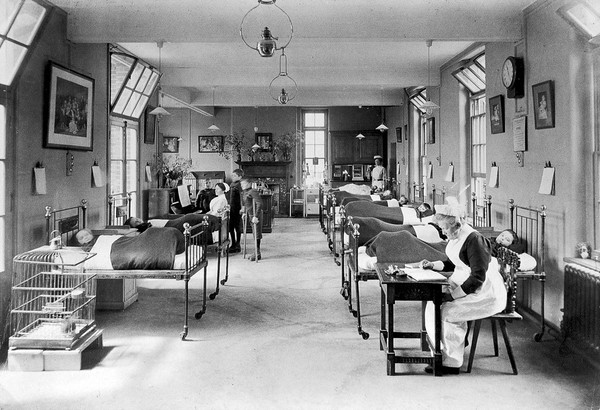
(252, 206)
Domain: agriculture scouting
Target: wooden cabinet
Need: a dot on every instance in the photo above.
(347, 150)
(115, 294)
(312, 201)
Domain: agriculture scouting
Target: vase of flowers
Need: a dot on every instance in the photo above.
(234, 145)
(173, 169)
(286, 143)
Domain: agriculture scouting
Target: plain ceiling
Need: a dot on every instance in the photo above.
(343, 52)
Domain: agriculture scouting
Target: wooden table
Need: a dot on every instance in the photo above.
(403, 288)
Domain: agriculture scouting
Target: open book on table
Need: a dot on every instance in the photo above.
(420, 274)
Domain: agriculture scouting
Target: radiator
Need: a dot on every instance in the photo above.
(581, 319)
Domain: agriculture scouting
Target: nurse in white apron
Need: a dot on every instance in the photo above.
(476, 287)
(378, 174)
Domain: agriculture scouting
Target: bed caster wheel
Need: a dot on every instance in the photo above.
(354, 313)
(223, 281)
(212, 296)
(364, 335)
(337, 263)
(538, 337)
(183, 334)
(198, 315)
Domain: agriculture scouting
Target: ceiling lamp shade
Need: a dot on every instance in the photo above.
(258, 20)
(429, 106)
(283, 82)
(382, 127)
(159, 110)
(360, 136)
(213, 127)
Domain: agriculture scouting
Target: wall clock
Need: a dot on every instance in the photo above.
(513, 76)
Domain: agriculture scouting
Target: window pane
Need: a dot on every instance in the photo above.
(309, 119)
(135, 75)
(116, 142)
(2, 189)
(27, 23)
(11, 57)
(150, 86)
(119, 68)
(131, 176)
(310, 151)
(116, 177)
(309, 137)
(141, 85)
(133, 100)
(7, 14)
(319, 151)
(319, 137)
(131, 143)
(319, 119)
(120, 105)
(137, 112)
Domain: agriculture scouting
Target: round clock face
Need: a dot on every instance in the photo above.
(508, 73)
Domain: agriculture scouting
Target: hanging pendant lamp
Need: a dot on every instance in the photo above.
(159, 110)
(213, 127)
(360, 136)
(429, 106)
(382, 127)
(283, 82)
(275, 18)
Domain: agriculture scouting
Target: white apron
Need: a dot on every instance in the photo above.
(488, 300)
(377, 175)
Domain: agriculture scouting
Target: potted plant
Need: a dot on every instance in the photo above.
(173, 169)
(286, 143)
(234, 145)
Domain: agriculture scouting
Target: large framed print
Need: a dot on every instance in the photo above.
(210, 143)
(70, 109)
(496, 105)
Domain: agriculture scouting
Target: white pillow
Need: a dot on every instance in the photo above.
(410, 216)
(366, 262)
(528, 262)
(393, 203)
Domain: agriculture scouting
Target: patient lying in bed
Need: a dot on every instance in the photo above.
(153, 249)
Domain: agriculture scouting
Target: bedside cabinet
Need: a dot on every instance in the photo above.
(312, 201)
(297, 202)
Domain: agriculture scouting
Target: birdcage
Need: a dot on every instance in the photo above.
(53, 301)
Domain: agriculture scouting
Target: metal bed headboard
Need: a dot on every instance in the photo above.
(437, 198)
(119, 208)
(65, 222)
(482, 214)
(530, 226)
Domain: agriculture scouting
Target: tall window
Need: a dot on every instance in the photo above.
(315, 129)
(3, 127)
(124, 160)
(478, 148)
(20, 21)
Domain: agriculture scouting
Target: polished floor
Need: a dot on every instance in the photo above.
(279, 336)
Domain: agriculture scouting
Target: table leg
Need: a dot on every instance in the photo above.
(382, 328)
(391, 356)
(437, 355)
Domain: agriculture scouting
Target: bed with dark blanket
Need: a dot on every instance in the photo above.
(340, 196)
(403, 247)
(371, 227)
(155, 248)
(394, 215)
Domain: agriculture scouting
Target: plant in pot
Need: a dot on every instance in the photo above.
(173, 169)
(234, 145)
(285, 144)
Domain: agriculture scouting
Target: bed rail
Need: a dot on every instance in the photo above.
(437, 198)
(119, 208)
(530, 226)
(222, 248)
(65, 222)
(482, 213)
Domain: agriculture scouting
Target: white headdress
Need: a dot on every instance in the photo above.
(452, 208)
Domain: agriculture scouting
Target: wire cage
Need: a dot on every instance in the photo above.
(53, 301)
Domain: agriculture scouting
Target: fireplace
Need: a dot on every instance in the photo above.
(276, 175)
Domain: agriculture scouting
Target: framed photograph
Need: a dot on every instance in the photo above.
(70, 109)
(210, 143)
(149, 126)
(337, 171)
(399, 134)
(171, 145)
(430, 131)
(265, 140)
(497, 114)
(543, 104)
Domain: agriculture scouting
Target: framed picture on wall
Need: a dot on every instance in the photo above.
(497, 114)
(171, 145)
(210, 143)
(265, 140)
(543, 104)
(399, 134)
(69, 110)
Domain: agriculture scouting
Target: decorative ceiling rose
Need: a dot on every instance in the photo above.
(276, 18)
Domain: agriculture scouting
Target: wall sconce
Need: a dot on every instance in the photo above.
(70, 163)
(275, 18)
(282, 82)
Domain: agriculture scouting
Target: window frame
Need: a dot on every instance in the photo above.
(131, 193)
(310, 169)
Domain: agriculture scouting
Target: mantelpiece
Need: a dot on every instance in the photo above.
(276, 175)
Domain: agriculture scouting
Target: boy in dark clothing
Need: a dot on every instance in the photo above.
(252, 205)
(235, 217)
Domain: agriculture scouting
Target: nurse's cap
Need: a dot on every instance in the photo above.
(378, 157)
(226, 186)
